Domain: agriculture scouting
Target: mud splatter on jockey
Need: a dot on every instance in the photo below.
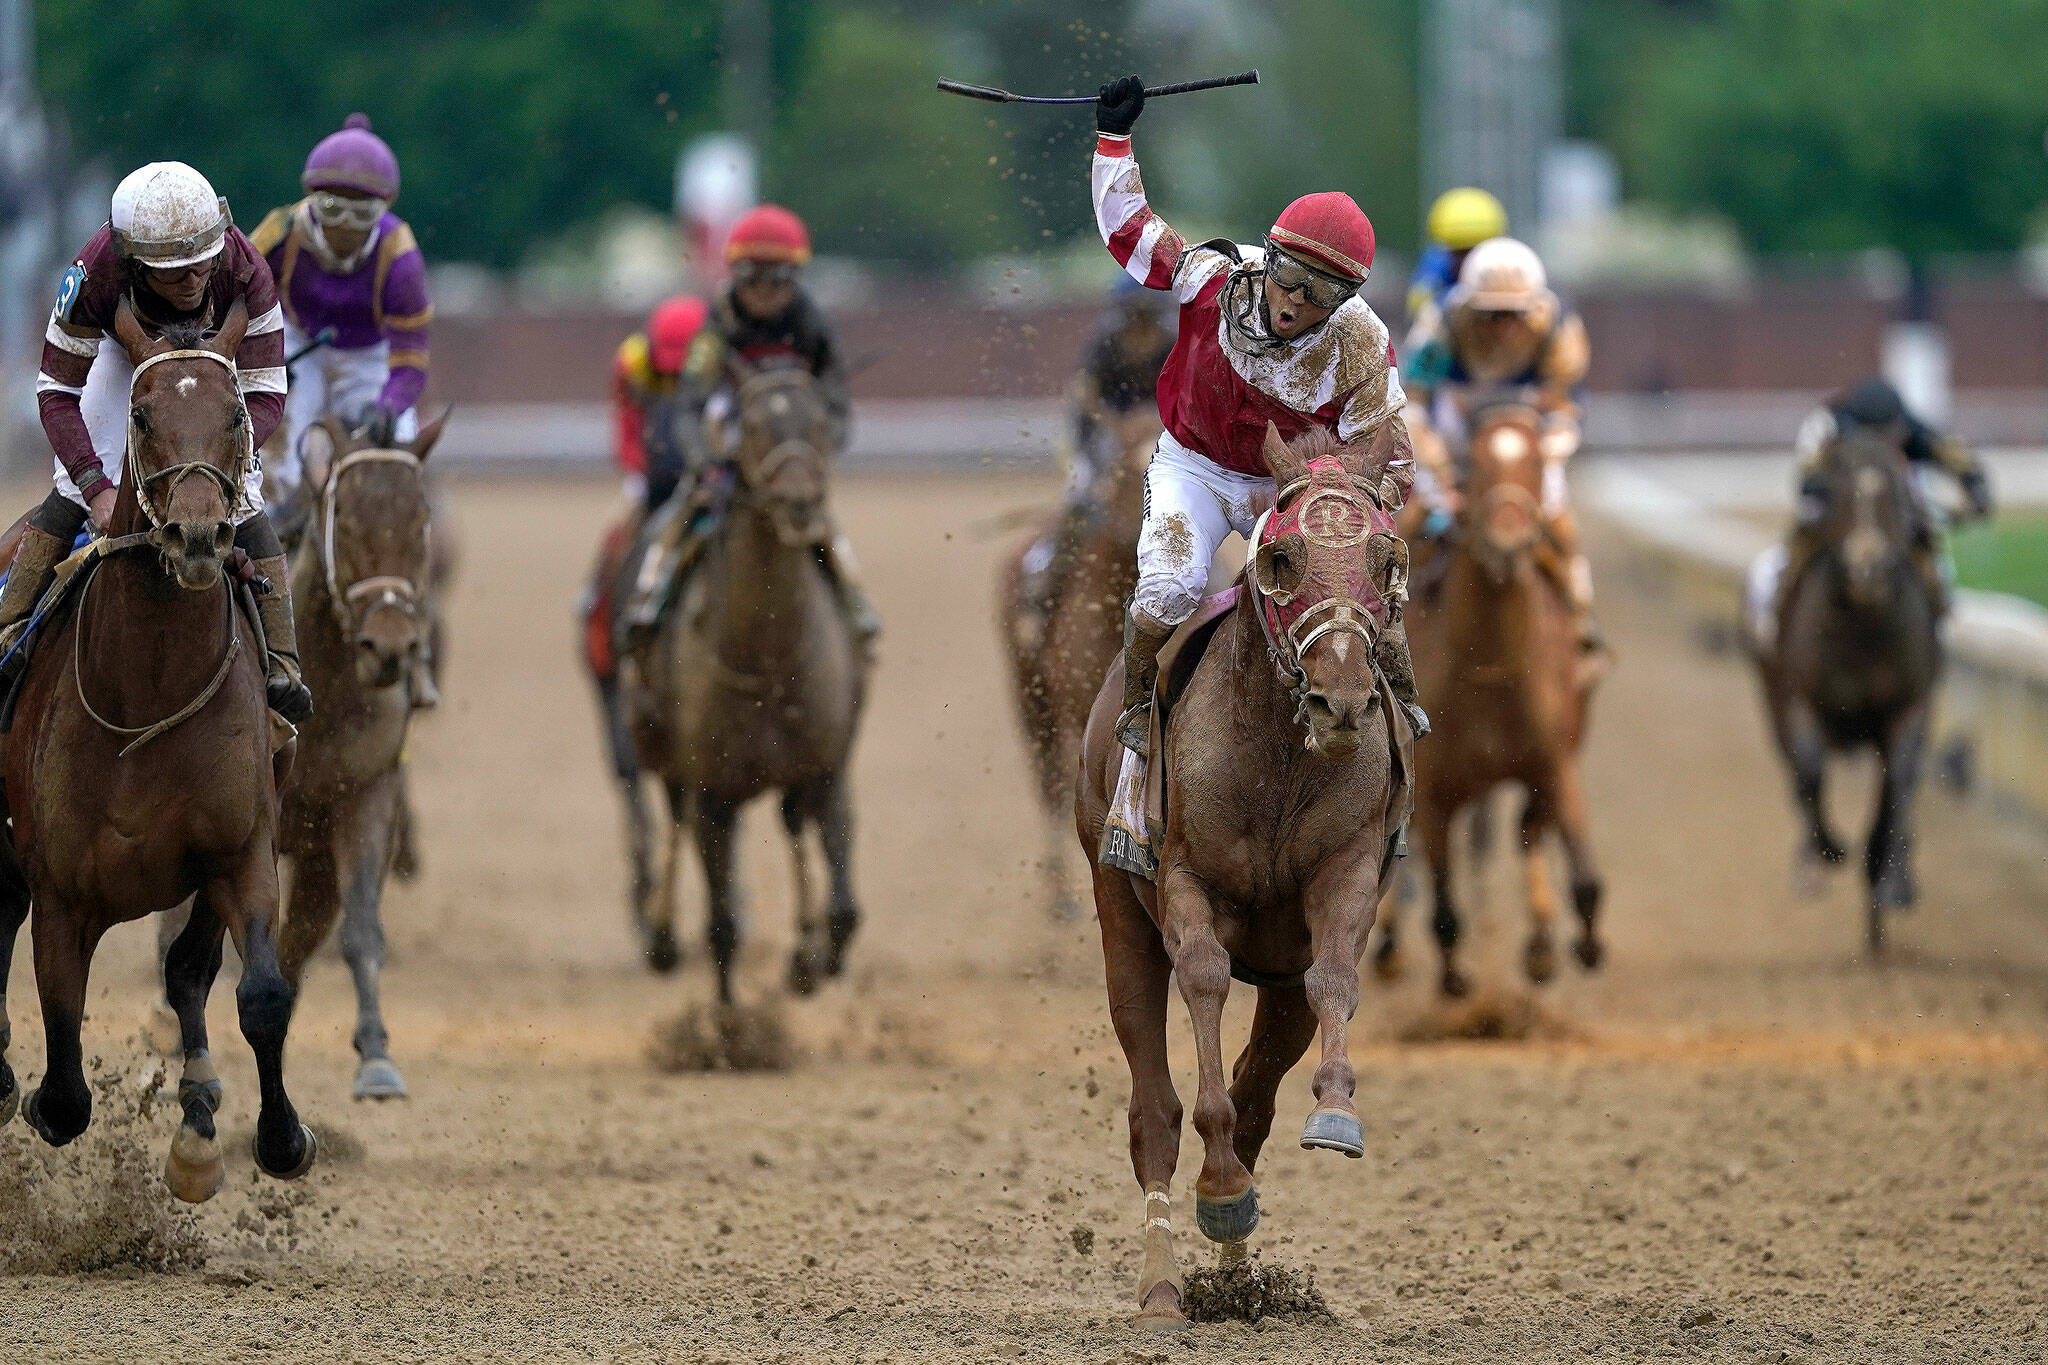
(1274, 333)
(344, 261)
(1502, 333)
(763, 318)
(171, 249)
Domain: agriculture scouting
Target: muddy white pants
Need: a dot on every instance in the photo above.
(1191, 505)
(323, 381)
(104, 405)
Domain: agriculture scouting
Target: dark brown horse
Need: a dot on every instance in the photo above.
(140, 767)
(1855, 663)
(1057, 659)
(1498, 657)
(362, 582)
(755, 684)
(1282, 802)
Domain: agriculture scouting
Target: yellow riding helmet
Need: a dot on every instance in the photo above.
(1463, 218)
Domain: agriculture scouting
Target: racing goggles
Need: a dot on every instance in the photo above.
(766, 272)
(1293, 276)
(346, 211)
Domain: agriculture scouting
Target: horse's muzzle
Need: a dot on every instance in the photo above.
(387, 649)
(195, 551)
(1337, 723)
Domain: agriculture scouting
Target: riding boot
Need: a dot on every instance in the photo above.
(1397, 666)
(1927, 559)
(651, 565)
(836, 554)
(1143, 638)
(1579, 586)
(283, 684)
(35, 564)
(1799, 551)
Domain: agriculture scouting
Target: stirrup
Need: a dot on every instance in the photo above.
(1134, 729)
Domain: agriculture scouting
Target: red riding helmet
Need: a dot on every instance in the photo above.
(769, 233)
(671, 329)
(1329, 232)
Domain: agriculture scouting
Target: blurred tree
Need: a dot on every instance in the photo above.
(880, 164)
(1836, 125)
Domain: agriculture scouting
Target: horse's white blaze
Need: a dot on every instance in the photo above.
(1510, 444)
(1341, 646)
(186, 385)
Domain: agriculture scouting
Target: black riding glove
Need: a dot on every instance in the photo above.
(1118, 104)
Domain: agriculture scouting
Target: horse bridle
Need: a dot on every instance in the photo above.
(1336, 614)
(231, 484)
(376, 590)
(751, 480)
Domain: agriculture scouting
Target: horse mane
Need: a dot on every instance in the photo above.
(1314, 444)
(185, 336)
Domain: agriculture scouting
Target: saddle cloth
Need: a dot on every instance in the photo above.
(1135, 830)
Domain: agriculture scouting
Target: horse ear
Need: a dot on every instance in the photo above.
(228, 339)
(1285, 464)
(319, 446)
(128, 331)
(430, 432)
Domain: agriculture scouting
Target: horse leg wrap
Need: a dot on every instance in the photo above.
(1159, 1266)
(200, 1083)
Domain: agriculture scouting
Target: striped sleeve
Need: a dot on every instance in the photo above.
(259, 361)
(1139, 238)
(69, 346)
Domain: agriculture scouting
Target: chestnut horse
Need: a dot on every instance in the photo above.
(1057, 663)
(140, 767)
(1497, 654)
(1282, 806)
(1855, 663)
(755, 683)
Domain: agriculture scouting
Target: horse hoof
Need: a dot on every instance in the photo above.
(1162, 1312)
(311, 1149)
(1539, 960)
(662, 953)
(378, 1079)
(1334, 1130)
(1590, 952)
(195, 1169)
(1228, 1220)
(43, 1130)
(1455, 985)
(166, 1035)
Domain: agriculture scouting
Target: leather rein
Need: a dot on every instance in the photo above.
(376, 590)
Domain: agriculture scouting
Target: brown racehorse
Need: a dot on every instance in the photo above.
(1498, 658)
(1281, 798)
(1855, 663)
(755, 683)
(1056, 664)
(140, 768)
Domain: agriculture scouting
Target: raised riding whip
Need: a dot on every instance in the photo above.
(995, 96)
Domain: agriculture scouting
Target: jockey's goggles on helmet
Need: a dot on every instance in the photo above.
(765, 272)
(1293, 276)
(346, 211)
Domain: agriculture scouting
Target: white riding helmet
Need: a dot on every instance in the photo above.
(1502, 275)
(166, 215)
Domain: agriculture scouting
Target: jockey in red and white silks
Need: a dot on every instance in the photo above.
(1275, 333)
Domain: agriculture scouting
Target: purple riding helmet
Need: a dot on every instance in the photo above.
(354, 159)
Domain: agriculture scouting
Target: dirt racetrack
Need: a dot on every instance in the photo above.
(1741, 1142)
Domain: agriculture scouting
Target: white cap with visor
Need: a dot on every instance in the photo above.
(166, 215)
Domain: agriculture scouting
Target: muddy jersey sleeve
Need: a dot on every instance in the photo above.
(84, 308)
(1373, 399)
(1144, 245)
(820, 349)
(1561, 375)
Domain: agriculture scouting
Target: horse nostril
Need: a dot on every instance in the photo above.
(223, 537)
